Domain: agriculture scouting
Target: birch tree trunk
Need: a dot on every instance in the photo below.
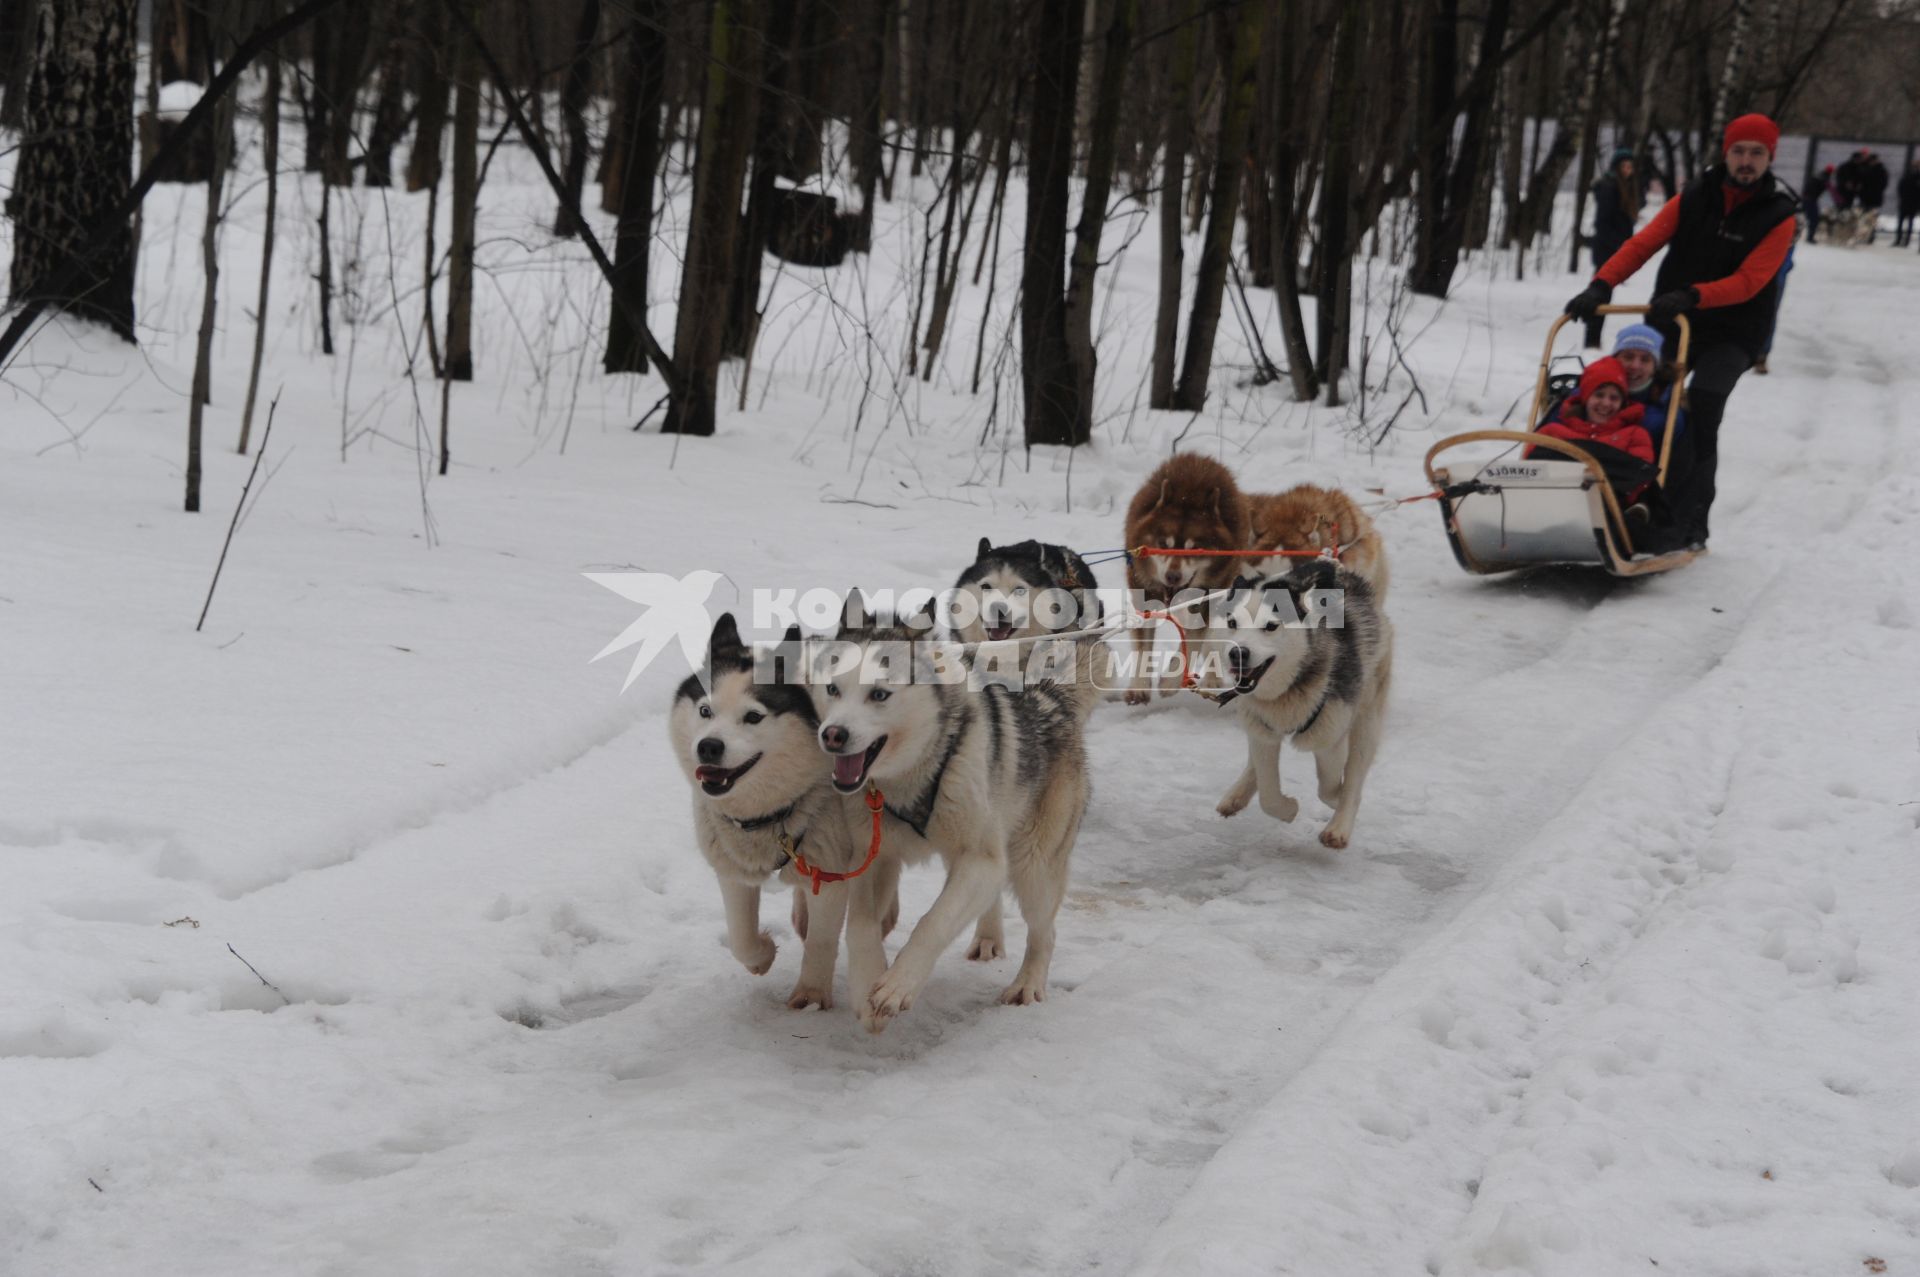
(1730, 69)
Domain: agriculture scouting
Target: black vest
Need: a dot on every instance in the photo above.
(1710, 243)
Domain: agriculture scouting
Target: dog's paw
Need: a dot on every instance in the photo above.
(1024, 992)
(1235, 802)
(800, 914)
(806, 995)
(758, 959)
(887, 1000)
(1282, 809)
(1329, 838)
(987, 948)
(1138, 696)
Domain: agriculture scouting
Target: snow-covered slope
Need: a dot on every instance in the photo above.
(1619, 972)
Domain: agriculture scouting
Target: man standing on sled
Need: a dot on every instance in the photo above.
(1726, 236)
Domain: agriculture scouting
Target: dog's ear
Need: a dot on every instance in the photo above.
(986, 548)
(1160, 500)
(793, 634)
(724, 643)
(853, 615)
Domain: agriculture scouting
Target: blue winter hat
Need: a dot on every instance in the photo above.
(1640, 337)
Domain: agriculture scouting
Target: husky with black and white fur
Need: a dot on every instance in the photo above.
(991, 779)
(761, 794)
(1293, 676)
(1024, 590)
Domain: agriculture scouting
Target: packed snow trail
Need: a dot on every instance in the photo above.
(1488, 1035)
(1647, 1042)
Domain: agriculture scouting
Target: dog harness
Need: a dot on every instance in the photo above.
(876, 802)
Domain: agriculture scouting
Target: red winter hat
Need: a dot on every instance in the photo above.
(1602, 372)
(1752, 128)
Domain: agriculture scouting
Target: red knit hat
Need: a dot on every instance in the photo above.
(1752, 128)
(1602, 372)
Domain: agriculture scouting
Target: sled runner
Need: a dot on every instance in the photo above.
(1556, 507)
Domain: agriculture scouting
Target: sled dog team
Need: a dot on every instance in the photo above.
(830, 779)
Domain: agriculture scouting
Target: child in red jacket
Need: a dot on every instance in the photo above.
(1597, 416)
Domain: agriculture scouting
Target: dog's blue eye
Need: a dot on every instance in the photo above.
(706, 711)
(752, 716)
(833, 691)
(878, 694)
(1232, 624)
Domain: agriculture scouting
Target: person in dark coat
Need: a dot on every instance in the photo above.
(1908, 194)
(1846, 181)
(1726, 236)
(1616, 208)
(1821, 184)
(1873, 191)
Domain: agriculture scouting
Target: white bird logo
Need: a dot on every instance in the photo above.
(676, 608)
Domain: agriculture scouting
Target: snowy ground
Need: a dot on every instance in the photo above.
(1619, 974)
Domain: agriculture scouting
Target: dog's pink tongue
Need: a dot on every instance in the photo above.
(849, 768)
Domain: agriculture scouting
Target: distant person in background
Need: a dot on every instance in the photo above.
(1616, 209)
(1846, 181)
(1872, 192)
(1819, 189)
(1908, 194)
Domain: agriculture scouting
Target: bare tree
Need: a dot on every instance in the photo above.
(726, 137)
(270, 161)
(1055, 413)
(202, 392)
(646, 72)
(1237, 38)
(573, 109)
(1179, 137)
(1103, 123)
(73, 162)
(466, 199)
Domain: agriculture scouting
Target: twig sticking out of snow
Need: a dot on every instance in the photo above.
(238, 507)
(235, 952)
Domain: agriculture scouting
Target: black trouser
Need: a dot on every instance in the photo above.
(1903, 228)
(1716, 367)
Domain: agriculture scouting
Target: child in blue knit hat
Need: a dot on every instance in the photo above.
(1649, 378)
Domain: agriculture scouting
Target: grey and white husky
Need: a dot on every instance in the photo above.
(761, 794)
(1009, 592)
(990, 778)
(1322, 686)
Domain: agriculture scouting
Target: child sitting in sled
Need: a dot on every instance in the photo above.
(1598, 418)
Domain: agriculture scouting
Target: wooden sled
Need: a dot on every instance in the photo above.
(1515, 511)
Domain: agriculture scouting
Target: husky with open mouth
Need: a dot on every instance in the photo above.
(761, 796)
(1007, 590)
(990, 778)
(1324, 687)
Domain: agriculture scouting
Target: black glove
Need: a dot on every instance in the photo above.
(1662, 309)
(1596, 295)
